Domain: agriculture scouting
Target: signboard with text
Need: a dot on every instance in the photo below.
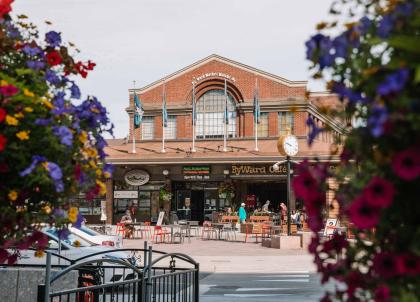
(196, 170)
(237, 170)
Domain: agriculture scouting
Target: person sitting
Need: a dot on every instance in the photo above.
(128, 227)
(265, 206)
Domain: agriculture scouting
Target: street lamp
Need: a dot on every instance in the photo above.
(165, 172)
(287, 145)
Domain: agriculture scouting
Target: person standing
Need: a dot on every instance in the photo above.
(242, 213)
(283, 210)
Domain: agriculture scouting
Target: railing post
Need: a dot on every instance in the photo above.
(47, 278)
(197, 283)
(145, 253)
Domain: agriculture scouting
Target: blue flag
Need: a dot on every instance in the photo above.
(226, 114)
(194, 109)
(138, 111)
(257, 112)
(164, 111)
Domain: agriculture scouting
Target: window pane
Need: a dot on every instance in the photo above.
(263, 125)
(286, 120)
(147, 127)
(210, 115)
(170, 130)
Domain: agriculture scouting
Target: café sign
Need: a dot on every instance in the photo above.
(238, 170)
(214, 75)
(136, 177)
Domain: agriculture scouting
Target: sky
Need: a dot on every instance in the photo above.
(145, 40)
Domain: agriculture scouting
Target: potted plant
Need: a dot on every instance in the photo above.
(165, 195)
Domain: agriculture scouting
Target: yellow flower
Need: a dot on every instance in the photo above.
(13, 195)
(102, 187)
(23, 135)
(3, 83)
(73, 211)
(45, 165)
(76, 243)
(47, 210)
(98, 172)
(19, 115)
(39, 254)
(11, 121)
(107, 175)
(28, 109)
(83, 137)
(92, 164)
(28, 93)
(91, 152)
(47, 103)
(72, 218)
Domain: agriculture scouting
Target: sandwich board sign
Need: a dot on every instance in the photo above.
(160, 218)
(330, 226)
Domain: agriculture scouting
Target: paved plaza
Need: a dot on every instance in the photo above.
(238, 271)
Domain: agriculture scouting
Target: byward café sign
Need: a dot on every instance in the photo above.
(214, 75)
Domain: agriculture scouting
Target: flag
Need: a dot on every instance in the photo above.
(257, 112)
(194, 109)
(226, 115)
(164, 111)
(138, 111)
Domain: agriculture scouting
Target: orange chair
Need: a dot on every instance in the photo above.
(159, 231)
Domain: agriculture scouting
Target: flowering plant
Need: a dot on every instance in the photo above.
(51, 143)
(226, 190)
(373, 67)
(165, 195)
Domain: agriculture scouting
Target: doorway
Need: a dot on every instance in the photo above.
(276, 192)
(197, 205)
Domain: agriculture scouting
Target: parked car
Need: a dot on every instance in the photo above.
(95, 237)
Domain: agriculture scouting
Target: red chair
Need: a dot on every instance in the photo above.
(159, 231)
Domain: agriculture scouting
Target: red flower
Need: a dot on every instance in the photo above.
(305, 185)
(379, 192)
(8, 90)
(336, 243)
(408, 265)
(315, 223)
(363, 214)
(385, 264)
(406, 164)
(3, 142)
(2, 114)
(354, 280)
(54, 58)
(5, 7)
(382, 294)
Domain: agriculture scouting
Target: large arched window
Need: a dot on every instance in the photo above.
(210, 114)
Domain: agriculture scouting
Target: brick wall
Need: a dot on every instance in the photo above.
(273, 124)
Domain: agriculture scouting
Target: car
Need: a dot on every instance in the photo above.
(95, 237)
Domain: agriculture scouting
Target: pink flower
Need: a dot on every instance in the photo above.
(379, 192)
(385, 264)
(382, 294)
(408, 265)
(363, 214)
(406, 164)
(8, 90)
(315, 223)
(336, 243)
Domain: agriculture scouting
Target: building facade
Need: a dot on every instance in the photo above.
(196, 181)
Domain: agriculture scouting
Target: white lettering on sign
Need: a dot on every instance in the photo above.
(126, 194)
(214, 75)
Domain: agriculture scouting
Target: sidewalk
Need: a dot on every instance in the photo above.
(236, 257)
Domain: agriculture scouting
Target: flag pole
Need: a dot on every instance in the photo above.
(193, 116)
(256, 114)
(134, 128)
(163, 117)
(225, 118)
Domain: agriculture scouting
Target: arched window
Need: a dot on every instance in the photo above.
(210, 115)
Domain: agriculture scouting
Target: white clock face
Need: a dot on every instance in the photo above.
(290, 145)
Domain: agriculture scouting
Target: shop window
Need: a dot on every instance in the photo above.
(263, 125)
(170, 129)
(86, 207)
(210, 115)
(286, 121)
(147, 127)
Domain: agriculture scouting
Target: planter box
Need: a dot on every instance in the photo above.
(286, 242)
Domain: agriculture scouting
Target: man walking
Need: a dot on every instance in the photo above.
(242, 213)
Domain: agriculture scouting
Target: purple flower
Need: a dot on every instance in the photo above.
(60, 105)
(56, 175)
(35, 65)
(52, 77)
(340, 45)
(404, 9)
(377, 118)
(59, 212)
(65, 135)
(108, 168)
(314, 130)
(35, 160)
(346, 93)
(364, 25)
(43, 121)
(75, 91)
(63, 234)
(31, 51)
(393, 83)
(53, 38)
(79, 221)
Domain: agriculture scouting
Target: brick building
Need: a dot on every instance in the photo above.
(208, 179)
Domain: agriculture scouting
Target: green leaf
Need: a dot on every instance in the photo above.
(417, 76)
(405, 42)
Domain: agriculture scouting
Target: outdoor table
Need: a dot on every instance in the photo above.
(219, 227)
(181, 227)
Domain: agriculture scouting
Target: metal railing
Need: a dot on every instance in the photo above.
(104, 278)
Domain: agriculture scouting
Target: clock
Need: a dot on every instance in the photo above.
(288, 145)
